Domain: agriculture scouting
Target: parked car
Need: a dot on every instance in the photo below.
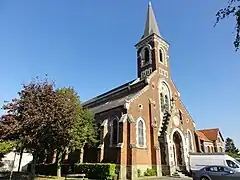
(216, 173)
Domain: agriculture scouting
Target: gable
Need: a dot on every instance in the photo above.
(211, 134)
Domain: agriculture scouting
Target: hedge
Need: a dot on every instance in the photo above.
(51, 169)
(46, 169)
(92, 170)
(150, 172)
(96, 171)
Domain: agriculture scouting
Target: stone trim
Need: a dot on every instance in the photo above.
(151, 101)
(123, 118)
(104, 123)
(134, 146)
(150, 38)
(144, 41)
(151, 76)
(142, 55)
(131, 119)
(144, 89)
(186, 110)
(120, 145)
(101, 146)
(139, 94)
(163, 72)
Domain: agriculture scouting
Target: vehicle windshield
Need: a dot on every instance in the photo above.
(237, 162)
(232, 163)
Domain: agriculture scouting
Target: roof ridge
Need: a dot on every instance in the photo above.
(208, 129)
(113, 91)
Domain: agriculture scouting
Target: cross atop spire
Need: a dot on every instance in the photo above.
(151, 26)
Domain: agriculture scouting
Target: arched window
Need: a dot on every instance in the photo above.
(180, 116)
(141, 134)
(208, 149)
(114, 131)
(190, 142)
(166, 103)
(212, 149)
(146, 56)
(220, 149)
(162, 102)
(164, 96)
(160, 55)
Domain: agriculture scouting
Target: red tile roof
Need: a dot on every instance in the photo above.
(202, 136)
(209, 134)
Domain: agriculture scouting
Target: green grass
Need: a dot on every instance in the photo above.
(56, 178)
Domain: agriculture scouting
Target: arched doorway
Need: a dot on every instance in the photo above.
(178, 150)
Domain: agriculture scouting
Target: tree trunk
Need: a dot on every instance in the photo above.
(33, 168)
(81, 155)
(66, 154)
(59, 163)
(20, 159)
(45, 156)
(13, 166)
(54, 157)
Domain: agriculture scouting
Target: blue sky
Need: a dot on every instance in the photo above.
(90, 45)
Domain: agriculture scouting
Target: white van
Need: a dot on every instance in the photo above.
(200, 160)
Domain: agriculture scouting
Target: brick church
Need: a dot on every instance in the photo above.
(144, 123)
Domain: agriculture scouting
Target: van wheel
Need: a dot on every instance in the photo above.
(204, 178)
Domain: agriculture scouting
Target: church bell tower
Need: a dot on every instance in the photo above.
(152, 48)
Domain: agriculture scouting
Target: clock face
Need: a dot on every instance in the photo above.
(176, 121)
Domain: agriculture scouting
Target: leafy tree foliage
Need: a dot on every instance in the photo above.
(230, 148)
(82, 129)
(232, 9)
(44, 118)
(33, 117)
(6, 147)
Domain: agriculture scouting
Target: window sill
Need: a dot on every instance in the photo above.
(120, 145)
(138, 147)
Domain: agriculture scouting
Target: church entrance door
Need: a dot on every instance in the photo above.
(178, 150)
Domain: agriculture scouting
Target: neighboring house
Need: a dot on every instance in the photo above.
(144, 123)
(8, 161)
(210, 140)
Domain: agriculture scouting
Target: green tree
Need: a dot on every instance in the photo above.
(230, 148)
(82, 129)
(38, 118)
(6, 147)
(43, 118)
(232, 9)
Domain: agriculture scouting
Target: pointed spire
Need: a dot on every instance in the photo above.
(151, 23)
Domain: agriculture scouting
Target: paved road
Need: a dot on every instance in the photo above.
(168, 178)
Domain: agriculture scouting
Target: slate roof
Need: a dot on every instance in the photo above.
(111, 104)
(115, 97)
(112, 91)
(151, 26)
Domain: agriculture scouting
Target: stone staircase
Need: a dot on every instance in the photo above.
(179, 174)
(165, 122)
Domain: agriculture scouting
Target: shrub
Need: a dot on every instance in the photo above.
(150, 172)
(96, 171)
(139, 172)
(46, 169)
